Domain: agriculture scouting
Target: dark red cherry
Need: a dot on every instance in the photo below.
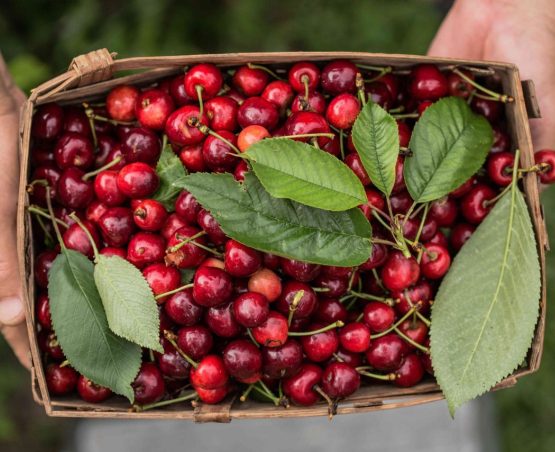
(420, 294)
(300, 387)
(428, 83)
(137, 180)
(222, 113)
(182, 309)
(106, 188)
(444, 211)
(145, 248)
(435, 261)
(400, 202)
(91, 392)
(305, 305)
(210, 373)
(464, 188)
(76, 239)
(149, 384)
(219, 155)
(501, 141)
(273, 331)
(378, 316)
(299, 270)
(251, 309)
(61, 380)
(121, 102)
(330, 310)
(150, 215)
(43, 263)
(307, 122)
(379, 94)
(206, 77)
(353, 161)
(49, 344)
(332, 286)
(474, 206)
(377, 258)
(221, 321)
(353, 360)
(116, 226)
(342, 111)
(242, 359)
(240, 170)
(320, 346)
(375, 202)
(192, 159)
(283, 361)
(404, 135)
(171, 363)
(42, 155)
(188, 255)
(258, 111)
(355, 337)
(153, 108)
(179, 128)
(177, 92)
(113, 154)
(460, 234)
(339, 77)
(459, 87)
(547, 158)
(141, 145)
(490, 109)
(399, 272)
(339, 380)
(240, 260)
(43, 311)
(250, 81)
(414, 329)
(212, 286)
(75, 120)
(304, 75)
(74, 150)
(48, 121)
(279, 93)
(187, 207)
(386, 353)
(195, 341)
(72, 191)
(172, 224)
(162, 279)
(410, 372)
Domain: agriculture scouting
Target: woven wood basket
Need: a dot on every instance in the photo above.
(92, 75)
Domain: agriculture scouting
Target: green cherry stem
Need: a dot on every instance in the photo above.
(265, 69)
(363, 371)
(383, 242)
(170, 337)
(194, 122)
(39, 211)
(381, 73)
(331, 326)
(500, 97)
(360, 89)
(199, 89)
(422, 221)
(423, 318)
(378, 279)
(208, 249)
(307, 135)
(380, 220)
(249, 333)
(87, 233)
(269, 395)
(406, 116)
(293, 306)
(177, 247)
(48, 239)
(52, 218)
(411, 342)
(171, 292)
(163, 403)
(374, 68)
(489, 202)
(395, 325)
(367, 296)
(246, 392)
(341, 143)
(102, 168)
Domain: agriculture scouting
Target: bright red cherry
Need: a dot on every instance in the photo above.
(414, 329)
(250, 135)
(221, 321)
(205, 78)
(304, 76)
(145, 248)
(353, 161)
(378, 316)
(299, 270)
(209, 225)
(76, 239)
(320, 347)
(420, 294)
(339, 77)
(258, 111)
(375, 202)
(149, 384)
(500, 168)
(91, 392)
(137, 180)
(106, 188)
(300, 387)
(404, 134)
(428, 83)
(306, 122)
(179, 125)
(162, 279)
(410, 372)
(474, 206)
(187, 207)
(315, 103)
(435, 261)
(150, 215)
(60, 380)
(172, 224)
(343, 111)
(377, 258)
(212, 286)
(339, 380)
(458, 86)
(330, 310)
(355, 337)
(250, 81)
(121, 102)
(273, 331)
(210, 373)
(188, 255)
(240, 260)
(400, 272)
(222, 113)
(279, 93)
(251, 309)
(153, 108)
(547, 158)
(444, 211)
(386, 353)
(192, 159)
(177, 92)
(212, 396)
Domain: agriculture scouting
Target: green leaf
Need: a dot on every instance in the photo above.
(169, 169)
(376, 139)
(248, 214)
(130, 306)
(82, 329)
(449, 144)
(298, 171)
(486, 308)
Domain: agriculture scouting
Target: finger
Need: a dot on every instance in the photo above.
(17, 338)
(9, 83)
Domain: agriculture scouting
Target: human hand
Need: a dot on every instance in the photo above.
(514, 31)
(12, 314)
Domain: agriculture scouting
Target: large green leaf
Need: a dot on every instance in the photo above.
(293, 170)
(169, 169)
(376, 139)
(281, 226)
(130, 306)
(449, 144)
(82, 329)
(486, 308)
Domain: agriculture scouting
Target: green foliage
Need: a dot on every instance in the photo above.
(449, 144)
(298, 171)
(251, 216)
(376, 140)
(128, 301)
(169, 169)
(82, 329)
(486, 307)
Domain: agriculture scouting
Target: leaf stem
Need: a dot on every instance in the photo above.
(331, 326)
(171, 292)
(87, 233)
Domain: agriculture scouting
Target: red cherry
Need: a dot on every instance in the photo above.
(195, 341)
(91, 392)
(547, 158)
(240, 260)
(460, 234)
(187, 207)
(377, 258)
(306, 122)
(250, 135)
(258, 111)
(305, 305)
(149, 384)
(428, 83)
(299, 270)
(250, 81)
(300, 387)
(179, 129)
(404, 134)
(343, 111)
(464, 188)
(145, 248)
(43, 263)
(315, 103)
(379, 94)
(192, 159)
(116, 226)
(501, 141)
(339, 77)
(76, 239)
(213, 230)
(400, 272)
(43, 312)
(378, 316)
(153, 108)
(332, 286)
(419, 293)
(171, 363)
(444, 211)
(121, 102)
(414, 329)
(113, 251)
(150, 215)
(182, 309)
(490, 109)
(60, 380)
(304, 74)
(283, 361)
(188, 255)
(48, 344)
(172, 224)
(222, 113)
(339, 380)
(355, 337)
(353, 161)
(251, 309)
(320, 346)
(242, 359)
(74, 150)
(137, 180)
(459, 87)
(212, 286)
(162, 279)
(177, 92)
(207, 77)
(375, 201)
(210, 373)
(386, 353)
(500, 168)
(279, 93)
(330, 310)
(106, 188)
(47, 121)
(221, 321)
(435, 261)
(474, 205)
(400, 202)
(273, 331)
(219, 155)
(141, 145)
(410, 372)
(212, 396)
(72, 191)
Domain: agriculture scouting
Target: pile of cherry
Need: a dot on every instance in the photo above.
(264, 326)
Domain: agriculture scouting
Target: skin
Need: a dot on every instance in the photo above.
(497, 30)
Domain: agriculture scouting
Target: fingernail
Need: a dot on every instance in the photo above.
(11, 311)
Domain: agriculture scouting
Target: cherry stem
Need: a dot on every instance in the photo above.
(378, 279)
(321, 289)
(417, 311)
(331, 326)
(383, 242)
(405, 152)
(171, 292)
(307, 135)
(65, 363)
(151, 406)
(376, 214)
(374, 68)
(411, 342)
(75, 218)
(341, 143)
(422, 318)
(170, 337)
(409, 212)
(381, 73)
(399, 109)
(359, 82)
(194, 122)
(102, 168)
(500, 97)
(249, 332)
(367, 296)
(422, 221)
(246, 393)
(177, 247)
(265, 69)
(39, 211)
(293, 306)
(199, 89)
(206, 248)
(362, 371)
(30, 185)
(114, 122)
(537, 168)
(52, 218)
(268, 392)
(351, 280)
(489, 202)
(330, 402)
(395, 325)
(406, 115)
(48, 239)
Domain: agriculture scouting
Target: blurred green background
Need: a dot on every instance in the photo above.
(40, 37)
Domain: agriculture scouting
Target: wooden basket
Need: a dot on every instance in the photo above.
(92, 75)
